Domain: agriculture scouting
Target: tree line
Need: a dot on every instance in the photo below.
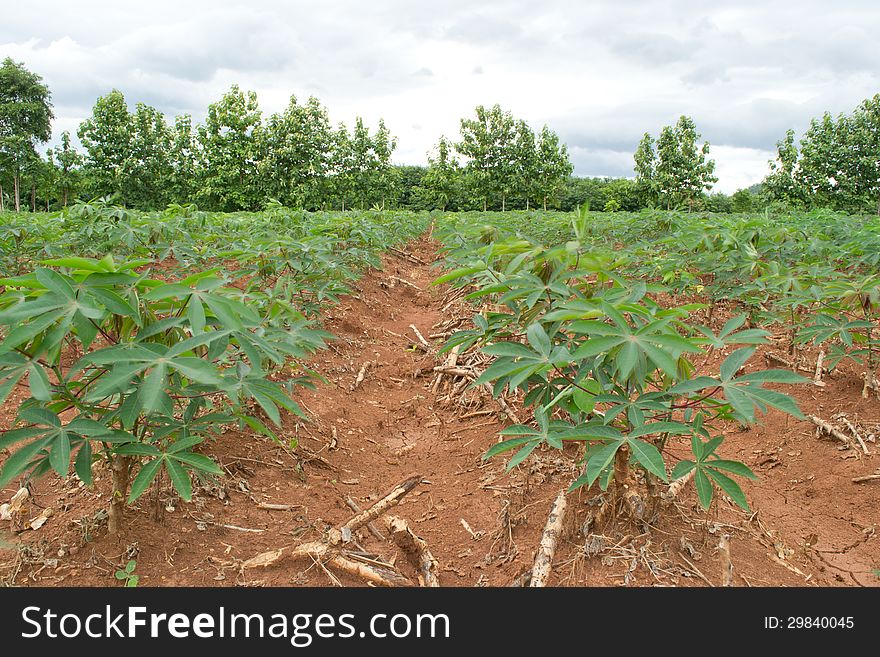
(239, 159)
(837, 165)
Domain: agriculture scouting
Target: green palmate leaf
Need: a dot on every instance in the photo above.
(55, 282)
(20, 460)
(681, 469)
(41, 389)
(197, 461)
(195, 312)
(83, 463)
(600, 459)
(144, 478)
(506, 445)
(522, 454)
(596, 346)
(179, 478)
(648, 456)
(704, 488)
(736, 360)
(660, 358)
(538, 339)
(772, 376)
(627, 358)
(459, 273)
(735, 467)
(151, 390)
(729, 486)
(59, 454)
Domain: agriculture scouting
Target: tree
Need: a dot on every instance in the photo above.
(106, 136)
(680, 172)
(488, 144)
(69, 161)
(185, 160)
(553, 166)
(298, 151)
(341, 180)
(232, 140)
(444, 174)
(25, 120)
(526, 164)
(383, 174)
(147, 168)
(645, 168)
(784, 182)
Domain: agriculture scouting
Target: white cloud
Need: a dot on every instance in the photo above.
(601, 74)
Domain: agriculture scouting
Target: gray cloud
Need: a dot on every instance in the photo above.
(600, 74)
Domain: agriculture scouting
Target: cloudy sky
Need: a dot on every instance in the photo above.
(598, 73)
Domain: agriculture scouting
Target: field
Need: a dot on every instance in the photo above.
(692, 398)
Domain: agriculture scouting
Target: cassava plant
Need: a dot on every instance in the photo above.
(601, 362)
(136, 372)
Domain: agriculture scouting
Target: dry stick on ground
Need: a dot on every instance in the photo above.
(351, 504)
(416, 549)
(861, 480)
(421, 337)
(503, 404)
(726, 563)
(361, 374)
(773, 358)
(677, 485)
(552, 531)
(451, 361)
(871, 383)
(830, 429)
(405, 282)
(329, 548)
(817, 375)
(855, 433)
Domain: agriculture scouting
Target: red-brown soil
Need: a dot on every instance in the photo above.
(810, 524)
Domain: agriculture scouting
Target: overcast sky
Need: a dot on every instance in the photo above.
(598, 73)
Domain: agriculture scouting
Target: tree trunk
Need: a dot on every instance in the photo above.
(16, 183)
(65, 197)
(503, 203)
(33, 197)
(484, 204)
(545, 204)
(1, 199)
(527, 204)
(121, 472)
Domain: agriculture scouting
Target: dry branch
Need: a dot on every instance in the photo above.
(726, 563)
(552, 531)
(361, 374)
(392, 498)
(830, 429)
(421, 337)
(871, 383)
(405, 282)
(451, 361)
(373, 574)
(329, 552)
(861, 480)
(503, 404)
(416, 549)
(676, 486)
(817, 375)
(854, 432)
(351, 504)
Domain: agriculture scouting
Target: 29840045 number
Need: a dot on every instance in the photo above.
(819, 622)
